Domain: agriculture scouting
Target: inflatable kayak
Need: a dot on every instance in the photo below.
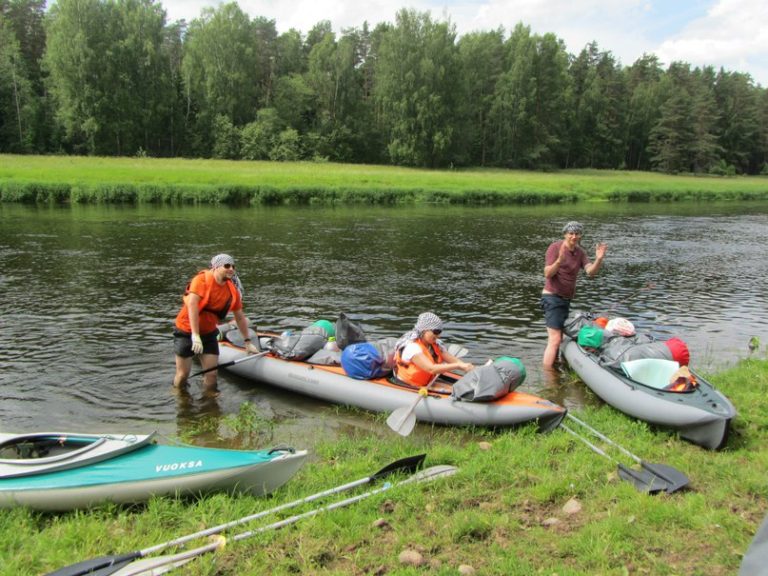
(151, 470)
(332, 384)
(701, 415)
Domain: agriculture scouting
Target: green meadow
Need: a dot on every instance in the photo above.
(521, 503)
(78, 179)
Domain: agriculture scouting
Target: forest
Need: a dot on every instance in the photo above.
(115, 78)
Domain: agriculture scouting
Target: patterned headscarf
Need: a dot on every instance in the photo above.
(573, 227)
(426, 321)
(220, 260)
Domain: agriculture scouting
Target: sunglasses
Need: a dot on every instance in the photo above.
(437, 332)
(228, 266)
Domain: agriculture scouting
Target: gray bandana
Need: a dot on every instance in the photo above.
(573, 227)
(219, 260)
(428, 321)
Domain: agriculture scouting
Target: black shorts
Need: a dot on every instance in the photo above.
(556, 310)
(182, 343)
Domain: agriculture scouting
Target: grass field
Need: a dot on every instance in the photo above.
(88, 179)
(522, 503)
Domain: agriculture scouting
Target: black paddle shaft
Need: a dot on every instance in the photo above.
(102, 566)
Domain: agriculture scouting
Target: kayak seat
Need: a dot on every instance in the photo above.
(653, 372)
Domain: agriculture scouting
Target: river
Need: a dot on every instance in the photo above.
(89, 294)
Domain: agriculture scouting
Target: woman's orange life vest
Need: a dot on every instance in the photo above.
(409, 373)
(215, 302)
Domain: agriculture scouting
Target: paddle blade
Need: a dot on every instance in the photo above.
(675, 479)
(409, 465)
(402, 420)
(432, 473)
(643, 480)
(102, 566)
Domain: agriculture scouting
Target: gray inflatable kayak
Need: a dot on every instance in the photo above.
(330, 383)
(702, 415)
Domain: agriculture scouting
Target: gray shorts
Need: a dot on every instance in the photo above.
(556, 309)
(182, 343)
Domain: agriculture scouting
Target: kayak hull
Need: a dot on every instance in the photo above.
(331, 384)
(702, 416)
(154, 470)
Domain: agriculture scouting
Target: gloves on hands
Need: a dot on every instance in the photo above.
(251, 348)
(197, 344)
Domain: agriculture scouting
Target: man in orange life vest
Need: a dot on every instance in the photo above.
(421, 357)
(209, 297)
(562, 263)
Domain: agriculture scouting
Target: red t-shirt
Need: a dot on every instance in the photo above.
(563, 283)
(217, 301)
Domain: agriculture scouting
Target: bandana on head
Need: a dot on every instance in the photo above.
(573, 227)
(428, 321)
(220, 260)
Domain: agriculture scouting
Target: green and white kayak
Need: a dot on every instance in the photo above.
(153, 470)
(27, 454)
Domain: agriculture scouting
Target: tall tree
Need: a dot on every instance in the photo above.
(482, 63)
(739, 122)
(221, 71)
(108, 74)
(418, 90)
(643, 80)
(597, 139)
(17, 103)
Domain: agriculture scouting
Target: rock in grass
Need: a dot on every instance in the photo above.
(411, 558)
(381, 524)
(466, 570)
(484, 445)
(573, 506)
(551, 521)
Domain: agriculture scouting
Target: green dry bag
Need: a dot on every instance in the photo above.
(590, 337)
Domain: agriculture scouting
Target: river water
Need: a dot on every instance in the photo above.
(89, 294)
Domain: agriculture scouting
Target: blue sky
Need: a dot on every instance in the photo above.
(732, 34)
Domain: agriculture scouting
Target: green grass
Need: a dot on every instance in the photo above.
(501, 514)
(148, 180)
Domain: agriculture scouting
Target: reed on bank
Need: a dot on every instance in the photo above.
(503, 513)
(79, 179)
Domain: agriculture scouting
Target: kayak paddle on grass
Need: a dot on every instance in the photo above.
(163, 564)
(651, 478)
(108, 565)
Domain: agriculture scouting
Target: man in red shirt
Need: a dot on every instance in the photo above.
(209, 297)
(564, 259)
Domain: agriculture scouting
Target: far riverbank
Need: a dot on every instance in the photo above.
(79, 179)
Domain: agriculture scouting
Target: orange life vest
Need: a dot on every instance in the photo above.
(209, 316)
(209, 282)
(409, 373)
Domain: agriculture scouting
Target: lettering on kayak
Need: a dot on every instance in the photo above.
(178, 466)
(303, 379)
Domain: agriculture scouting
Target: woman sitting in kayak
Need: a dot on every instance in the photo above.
(420, 357)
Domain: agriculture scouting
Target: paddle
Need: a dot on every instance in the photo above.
(403, 419)
(105, 565)
(163, 564)
(231, 363)
(652, 478)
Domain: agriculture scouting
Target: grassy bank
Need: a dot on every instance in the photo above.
(149, 180)
(503, 513)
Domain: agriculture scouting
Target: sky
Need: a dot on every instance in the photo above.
(732, 34)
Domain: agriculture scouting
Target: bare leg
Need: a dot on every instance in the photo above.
(183, 367)
(210, 379)
(554, 338)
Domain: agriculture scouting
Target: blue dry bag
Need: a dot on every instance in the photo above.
(363, 361)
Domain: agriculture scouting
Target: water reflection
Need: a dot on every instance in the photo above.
(89, 296)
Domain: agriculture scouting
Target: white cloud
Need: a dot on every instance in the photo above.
(728, 33)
